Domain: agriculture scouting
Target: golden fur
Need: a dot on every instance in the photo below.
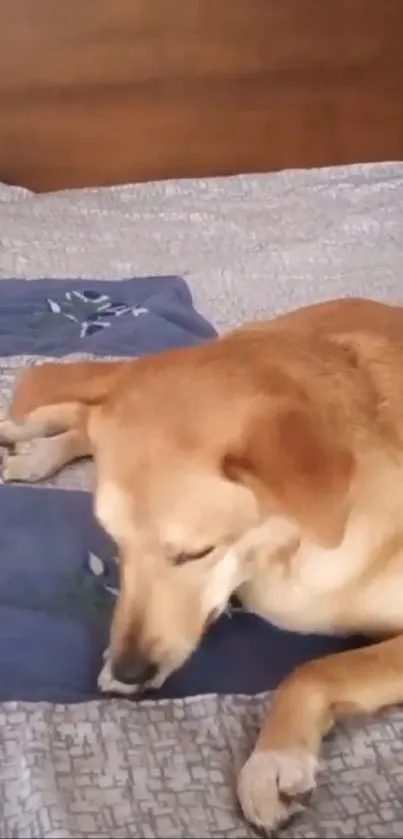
(268, 462)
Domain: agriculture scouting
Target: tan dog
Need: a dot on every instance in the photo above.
(268, 462)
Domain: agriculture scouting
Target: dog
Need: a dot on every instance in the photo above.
(267, 462)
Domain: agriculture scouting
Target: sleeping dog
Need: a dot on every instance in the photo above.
(267, 463)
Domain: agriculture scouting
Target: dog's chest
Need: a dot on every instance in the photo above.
(331, 591)
(307, 592)
(290, 604)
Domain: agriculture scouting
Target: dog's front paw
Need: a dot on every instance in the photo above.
(271, 782)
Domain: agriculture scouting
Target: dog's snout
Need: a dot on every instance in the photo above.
(133, 669)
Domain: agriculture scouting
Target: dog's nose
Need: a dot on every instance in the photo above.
(133, 669)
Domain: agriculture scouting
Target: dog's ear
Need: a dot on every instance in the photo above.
(294, 465)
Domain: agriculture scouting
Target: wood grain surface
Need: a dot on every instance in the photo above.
(110, 91)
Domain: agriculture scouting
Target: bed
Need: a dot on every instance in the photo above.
(277, 180)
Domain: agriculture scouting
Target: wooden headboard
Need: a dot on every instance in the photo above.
(111, 91)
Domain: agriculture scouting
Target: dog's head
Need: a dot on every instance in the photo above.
(189, 530)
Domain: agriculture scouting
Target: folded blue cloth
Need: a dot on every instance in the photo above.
(126, 317)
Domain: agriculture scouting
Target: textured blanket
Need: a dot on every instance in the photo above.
(248, 246)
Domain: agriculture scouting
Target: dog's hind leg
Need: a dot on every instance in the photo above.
(58, 434)
(45, 456)
(41, 422)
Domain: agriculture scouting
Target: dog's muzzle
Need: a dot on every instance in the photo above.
(133, 669)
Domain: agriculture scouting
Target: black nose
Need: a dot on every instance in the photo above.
(133, 669)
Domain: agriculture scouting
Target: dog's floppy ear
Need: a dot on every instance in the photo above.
(295, 466)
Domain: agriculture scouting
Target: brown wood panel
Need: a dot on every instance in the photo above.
(109, 91)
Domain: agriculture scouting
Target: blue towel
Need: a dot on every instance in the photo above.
(129, 317)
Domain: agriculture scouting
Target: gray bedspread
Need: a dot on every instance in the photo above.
(247, 246)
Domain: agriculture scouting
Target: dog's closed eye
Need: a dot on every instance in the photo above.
(181, 558)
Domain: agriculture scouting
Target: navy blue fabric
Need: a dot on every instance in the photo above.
(166, 317)
(55, 614)
(54, 610)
